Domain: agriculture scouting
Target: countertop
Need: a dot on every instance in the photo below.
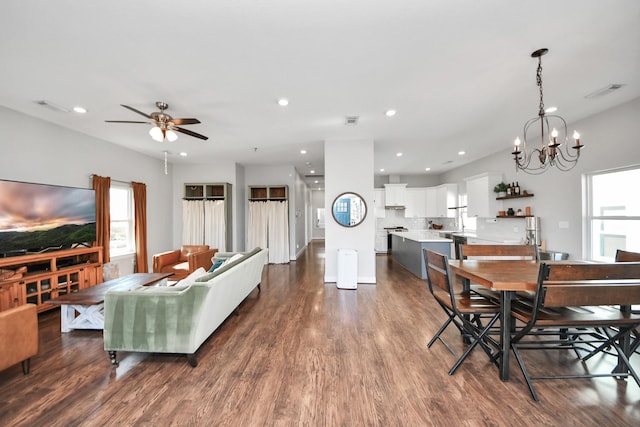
(434, 236)
(422, 236)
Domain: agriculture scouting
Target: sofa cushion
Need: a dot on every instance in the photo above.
(228, 265)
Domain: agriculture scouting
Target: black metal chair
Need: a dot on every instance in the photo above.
(573, 300)
(464, 309)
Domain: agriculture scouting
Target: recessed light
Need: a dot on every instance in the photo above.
(79, 110)
(551, 110)
(399, 154)
(461, 153)
(381, 170)
(316, 181)
(303, 151)
(427, 169)
(390, 113)
(283, 102)
(183, 154)
(312, 171)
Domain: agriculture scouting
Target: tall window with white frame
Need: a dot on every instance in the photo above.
(612, 219)
(122, 239)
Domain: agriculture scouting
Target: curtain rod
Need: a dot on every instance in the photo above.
(114, 180)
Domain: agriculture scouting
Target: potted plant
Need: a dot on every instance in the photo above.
(501, 189)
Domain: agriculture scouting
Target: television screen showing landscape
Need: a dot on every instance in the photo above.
(38, 217)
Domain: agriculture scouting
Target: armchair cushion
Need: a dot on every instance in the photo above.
(18, 336)
(191, 249)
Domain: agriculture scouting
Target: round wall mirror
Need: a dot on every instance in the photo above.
(349, 209)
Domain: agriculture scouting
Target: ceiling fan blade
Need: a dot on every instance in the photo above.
(125, 121)
(136, 111)
(178, 122)
(188, 132)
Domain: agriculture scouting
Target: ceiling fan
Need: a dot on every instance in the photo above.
(165, 126)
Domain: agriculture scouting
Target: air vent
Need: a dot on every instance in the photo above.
(351, 120)
(52, 105)
(605, 90)
(314, 176)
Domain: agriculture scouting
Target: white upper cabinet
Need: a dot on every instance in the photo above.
(395, 194)
(481, 200)
(440, 199)
(378, 202)
(416, 199)
(446, 197)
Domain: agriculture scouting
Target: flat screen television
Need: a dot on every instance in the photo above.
(36, 218)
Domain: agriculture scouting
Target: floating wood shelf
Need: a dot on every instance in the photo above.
(514, 197)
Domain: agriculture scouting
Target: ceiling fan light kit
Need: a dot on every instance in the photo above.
(164, 126)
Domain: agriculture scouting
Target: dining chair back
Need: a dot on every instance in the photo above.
(500, 252)
(465, 310)
(575, 298)
(626, 256)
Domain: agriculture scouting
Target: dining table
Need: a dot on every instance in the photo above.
(507, 277)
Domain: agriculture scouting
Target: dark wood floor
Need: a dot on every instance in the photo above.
(302, 352)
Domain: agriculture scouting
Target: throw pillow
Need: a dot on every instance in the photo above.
(217, 263)
(190, 279)
(233, 258)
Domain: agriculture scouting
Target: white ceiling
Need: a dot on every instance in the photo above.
(459, 73)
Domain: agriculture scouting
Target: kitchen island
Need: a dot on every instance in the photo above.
(408, 245)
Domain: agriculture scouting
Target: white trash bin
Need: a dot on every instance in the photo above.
(347, 269)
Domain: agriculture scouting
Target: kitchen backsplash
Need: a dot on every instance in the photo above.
(507, 228)
(395, 218)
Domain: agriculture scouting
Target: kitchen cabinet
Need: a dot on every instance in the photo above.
(395, 194)
(439, 199)
(378, 202)
(481, 201)
(416, 203)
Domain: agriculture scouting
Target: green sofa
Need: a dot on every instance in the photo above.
(178, 319)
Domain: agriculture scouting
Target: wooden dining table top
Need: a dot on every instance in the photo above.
(512, 275)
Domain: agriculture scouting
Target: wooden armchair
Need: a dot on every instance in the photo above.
(184, 261)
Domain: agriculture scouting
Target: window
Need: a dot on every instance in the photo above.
(122, 240)
(613, 213)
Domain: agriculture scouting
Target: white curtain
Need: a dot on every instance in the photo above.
(269, 228)
(278, 232)
(257, 228)
(192, 222)
(214, 225)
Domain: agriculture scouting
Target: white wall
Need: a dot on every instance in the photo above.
(34, 150)
(299, 221)
(349, 168)
(611, 141)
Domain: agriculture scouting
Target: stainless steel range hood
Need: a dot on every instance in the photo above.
(395, 207)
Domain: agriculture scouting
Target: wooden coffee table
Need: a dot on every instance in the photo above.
(85, 309)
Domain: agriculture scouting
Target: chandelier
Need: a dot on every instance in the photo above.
(554, 149)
